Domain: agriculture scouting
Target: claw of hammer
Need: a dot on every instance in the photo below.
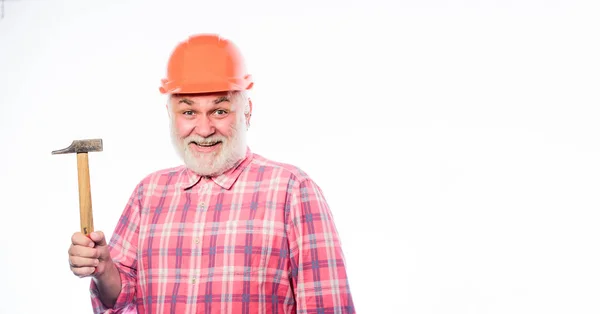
(82, 148)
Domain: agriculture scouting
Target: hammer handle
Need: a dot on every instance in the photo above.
(85, 195)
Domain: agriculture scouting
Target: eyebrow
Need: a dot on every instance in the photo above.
(186, 101)
(216, 101)
(220, 99)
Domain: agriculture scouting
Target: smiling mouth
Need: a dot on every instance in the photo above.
(207, 144)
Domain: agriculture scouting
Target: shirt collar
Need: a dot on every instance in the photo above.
(225, 180)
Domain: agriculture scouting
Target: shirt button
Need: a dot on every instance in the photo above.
(193, 280)
(197, 240)
(202, 205)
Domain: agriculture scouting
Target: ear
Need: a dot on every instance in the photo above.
(249, 114)
(168, 107)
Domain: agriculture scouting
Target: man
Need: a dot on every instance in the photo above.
(228, 232)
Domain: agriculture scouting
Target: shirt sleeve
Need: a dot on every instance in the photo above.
(123, 250)
(319, 277)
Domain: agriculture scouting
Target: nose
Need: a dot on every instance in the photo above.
(204, 127)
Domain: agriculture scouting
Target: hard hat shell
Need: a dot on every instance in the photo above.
(205, 63)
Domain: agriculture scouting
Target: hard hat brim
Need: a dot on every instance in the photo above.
(208, 87)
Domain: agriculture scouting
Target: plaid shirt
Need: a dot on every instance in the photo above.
(257, 239)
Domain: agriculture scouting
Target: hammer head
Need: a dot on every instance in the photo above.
(81, 146)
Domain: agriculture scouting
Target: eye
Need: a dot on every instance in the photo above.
(220, 112)
(188, 112)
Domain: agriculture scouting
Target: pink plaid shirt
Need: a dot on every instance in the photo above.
(257, 239)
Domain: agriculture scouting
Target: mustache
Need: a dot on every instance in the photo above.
(203, 140)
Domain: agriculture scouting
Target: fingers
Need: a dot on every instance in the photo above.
(79, 238)
(98, 238)
(82, 251)
(87, 253)
(83, 260)
(95, 238)
(83, 271)
(78, 262)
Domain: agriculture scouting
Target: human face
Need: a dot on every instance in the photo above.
(209, 130)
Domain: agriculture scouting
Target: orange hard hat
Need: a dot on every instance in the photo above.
(206, 63)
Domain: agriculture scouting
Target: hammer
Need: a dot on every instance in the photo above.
(82, 148)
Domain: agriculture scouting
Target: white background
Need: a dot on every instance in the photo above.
(457, 142)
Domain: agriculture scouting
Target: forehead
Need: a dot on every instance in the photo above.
(200, 98)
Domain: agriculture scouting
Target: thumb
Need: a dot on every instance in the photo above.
(98, 238)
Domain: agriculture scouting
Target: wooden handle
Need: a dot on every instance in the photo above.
(85, 195)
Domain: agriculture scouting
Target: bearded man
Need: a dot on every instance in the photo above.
(229, 231)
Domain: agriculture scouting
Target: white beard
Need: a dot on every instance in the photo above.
(214, 163)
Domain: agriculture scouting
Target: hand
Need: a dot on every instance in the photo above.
(89, 256)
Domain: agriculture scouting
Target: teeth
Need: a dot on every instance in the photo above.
(206, 144)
